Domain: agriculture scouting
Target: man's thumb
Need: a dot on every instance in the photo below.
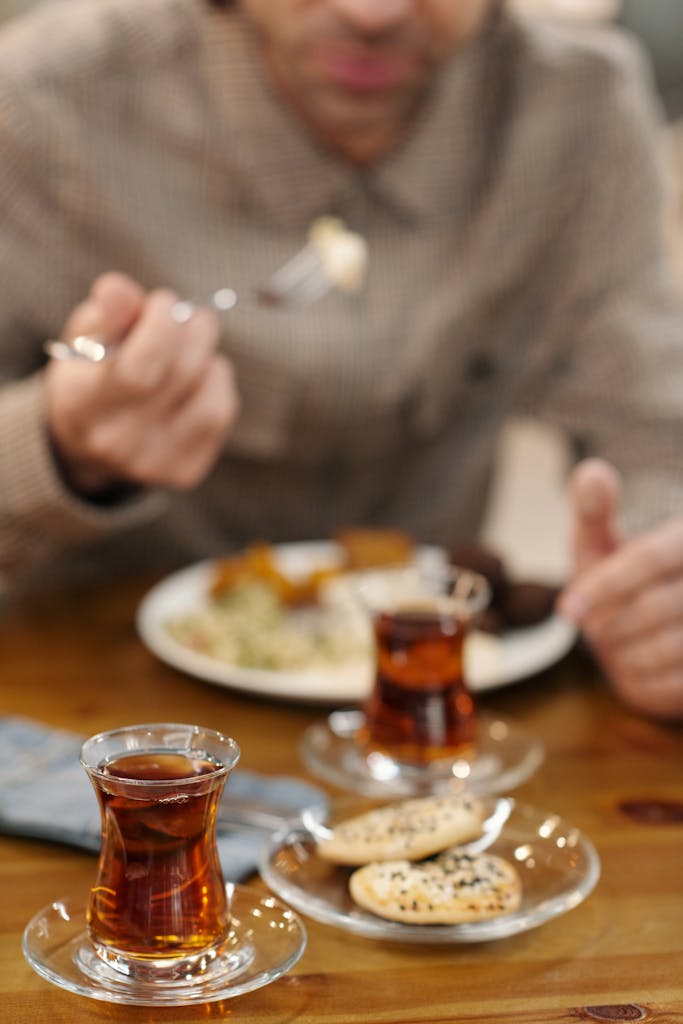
(595, 497)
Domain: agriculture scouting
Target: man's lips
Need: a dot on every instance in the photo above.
(365, 72)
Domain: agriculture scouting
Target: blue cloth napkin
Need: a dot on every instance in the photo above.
(45, 793)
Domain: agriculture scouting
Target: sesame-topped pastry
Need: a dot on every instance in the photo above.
(454, 888)
(411, 829)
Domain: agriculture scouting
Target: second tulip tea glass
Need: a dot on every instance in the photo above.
(420, 709)
(420, 729)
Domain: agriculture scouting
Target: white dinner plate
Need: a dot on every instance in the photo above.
(491, 662)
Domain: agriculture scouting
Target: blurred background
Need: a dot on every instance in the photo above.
(527, 517)
(532, 461)
(658, 24)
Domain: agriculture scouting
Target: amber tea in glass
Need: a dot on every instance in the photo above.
(158, 906)
(420, 709)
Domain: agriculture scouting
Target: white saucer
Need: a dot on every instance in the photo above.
(506, 755)
(266, 939)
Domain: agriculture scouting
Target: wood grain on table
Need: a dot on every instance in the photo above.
(74, 660)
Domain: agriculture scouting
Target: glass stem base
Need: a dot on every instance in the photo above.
(163, 969)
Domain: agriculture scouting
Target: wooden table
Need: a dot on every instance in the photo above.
(75, 661)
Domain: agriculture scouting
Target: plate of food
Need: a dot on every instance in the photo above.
(278, 621)
(447, 868)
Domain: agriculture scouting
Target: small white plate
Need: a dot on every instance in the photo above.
(558, 867)
(491, 661)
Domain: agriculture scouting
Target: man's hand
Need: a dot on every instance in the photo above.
(158, 412)
(627, 596)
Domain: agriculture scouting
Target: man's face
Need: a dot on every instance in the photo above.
(357, 71)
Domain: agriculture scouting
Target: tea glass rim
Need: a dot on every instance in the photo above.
(471, 596)
(230, 747)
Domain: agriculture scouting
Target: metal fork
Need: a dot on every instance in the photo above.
(235, 812)
(94, 350)
(334, 257)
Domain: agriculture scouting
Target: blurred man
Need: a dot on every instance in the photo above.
(505, 178)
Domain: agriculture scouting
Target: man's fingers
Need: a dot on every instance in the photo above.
(170, 447)
(649, 608)
(638, 564)
(112, 307)
(595, 492)
(161, 354)
(651, 654)
(205, 423)
(658, 695)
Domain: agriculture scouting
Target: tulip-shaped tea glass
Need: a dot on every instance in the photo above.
(420, 709)
(419, 730)
(158, 909)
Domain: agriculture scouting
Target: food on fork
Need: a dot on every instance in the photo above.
(344, 253)
(454, 888)
(410, 830)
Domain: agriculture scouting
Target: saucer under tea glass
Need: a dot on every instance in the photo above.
(160, 925)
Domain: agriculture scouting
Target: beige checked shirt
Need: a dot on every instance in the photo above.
(516, 264)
